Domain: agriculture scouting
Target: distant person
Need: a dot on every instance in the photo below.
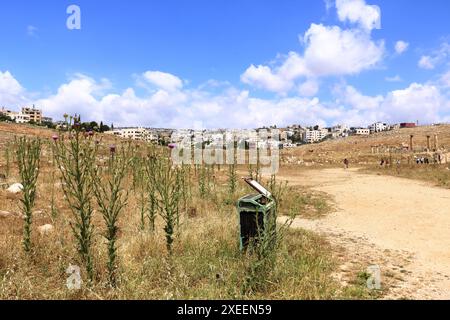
(382, 162)
(346, 163)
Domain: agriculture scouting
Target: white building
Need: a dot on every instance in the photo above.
(139, 134)
(362, 132)
(339, 131)
(22, 118)
(378, 127)
(312, 136)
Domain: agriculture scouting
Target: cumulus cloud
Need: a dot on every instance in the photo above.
(309, 88)
(11, 92)
(329, 51)
(351, 97)
(417, 102)
(163, 80)
(333, 51)
(234, 108)
(401, 47)
(263, 77)
(357, 11)
(426, 103)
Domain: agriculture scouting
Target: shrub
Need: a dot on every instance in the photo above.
(28, 157)
(112, 198)
(75, 160)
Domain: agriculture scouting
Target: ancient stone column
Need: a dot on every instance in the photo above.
(411, 137)
(428, 143)
(436, 142)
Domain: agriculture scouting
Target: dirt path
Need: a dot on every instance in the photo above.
(401, 225)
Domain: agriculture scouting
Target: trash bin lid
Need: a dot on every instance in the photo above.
(258, 187)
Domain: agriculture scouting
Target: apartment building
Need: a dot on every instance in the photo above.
(139, 134)
(34, 114)
(378, 127)
(22, 118)
(361, 131)
(315, 135)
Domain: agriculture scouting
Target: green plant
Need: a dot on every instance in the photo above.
(53, 210)
(166, 180)
(28, 158)
(111, 199)
(203, 186)
(7, 160)
(75, 160)
(149, 185)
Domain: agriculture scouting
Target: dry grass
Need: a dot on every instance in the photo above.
(438, 175)
(358, 149)
(206, 262)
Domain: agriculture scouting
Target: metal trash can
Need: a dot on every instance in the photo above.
(254, 210)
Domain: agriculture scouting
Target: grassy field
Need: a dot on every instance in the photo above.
(205, 261)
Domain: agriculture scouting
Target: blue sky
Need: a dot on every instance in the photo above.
(229, 63)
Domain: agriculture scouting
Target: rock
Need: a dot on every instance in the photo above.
(46, 229)
(15, 188)
(5, 214)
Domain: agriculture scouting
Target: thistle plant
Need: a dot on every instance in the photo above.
(75, 160)
(202, 182)
(28, 158)
(7, 160)
(232, 177)
(166, 181)
(111, 199)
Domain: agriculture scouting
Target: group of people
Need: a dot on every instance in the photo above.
(422, 160)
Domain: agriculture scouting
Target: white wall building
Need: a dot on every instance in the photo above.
(139, 134)
(362, 132)
(378, 127)
(312, 136)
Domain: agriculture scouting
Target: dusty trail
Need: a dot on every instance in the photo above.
(402, 225)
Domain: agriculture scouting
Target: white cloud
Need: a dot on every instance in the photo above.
(396, 78)
(263, 77)
(445, 80)
(332, 51)
(231, 107)
(11, 92)
(427, 62)
(329, 51)
(401, 47)
(439, 56)
(309, 88)
(163, 80)
(351, 97)
(417, 102)
(357, 11)
(329, 4)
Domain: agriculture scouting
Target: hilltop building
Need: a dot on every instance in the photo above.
(34, 114)
(138, 134)
(26, 115)
(315, 134)
(378, 127)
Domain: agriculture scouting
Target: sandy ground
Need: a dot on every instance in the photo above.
(399, 224)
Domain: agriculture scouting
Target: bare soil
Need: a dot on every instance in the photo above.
(402, 225)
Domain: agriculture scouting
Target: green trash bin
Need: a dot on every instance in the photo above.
(254, 212)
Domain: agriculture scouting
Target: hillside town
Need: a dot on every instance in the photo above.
(290, 137)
